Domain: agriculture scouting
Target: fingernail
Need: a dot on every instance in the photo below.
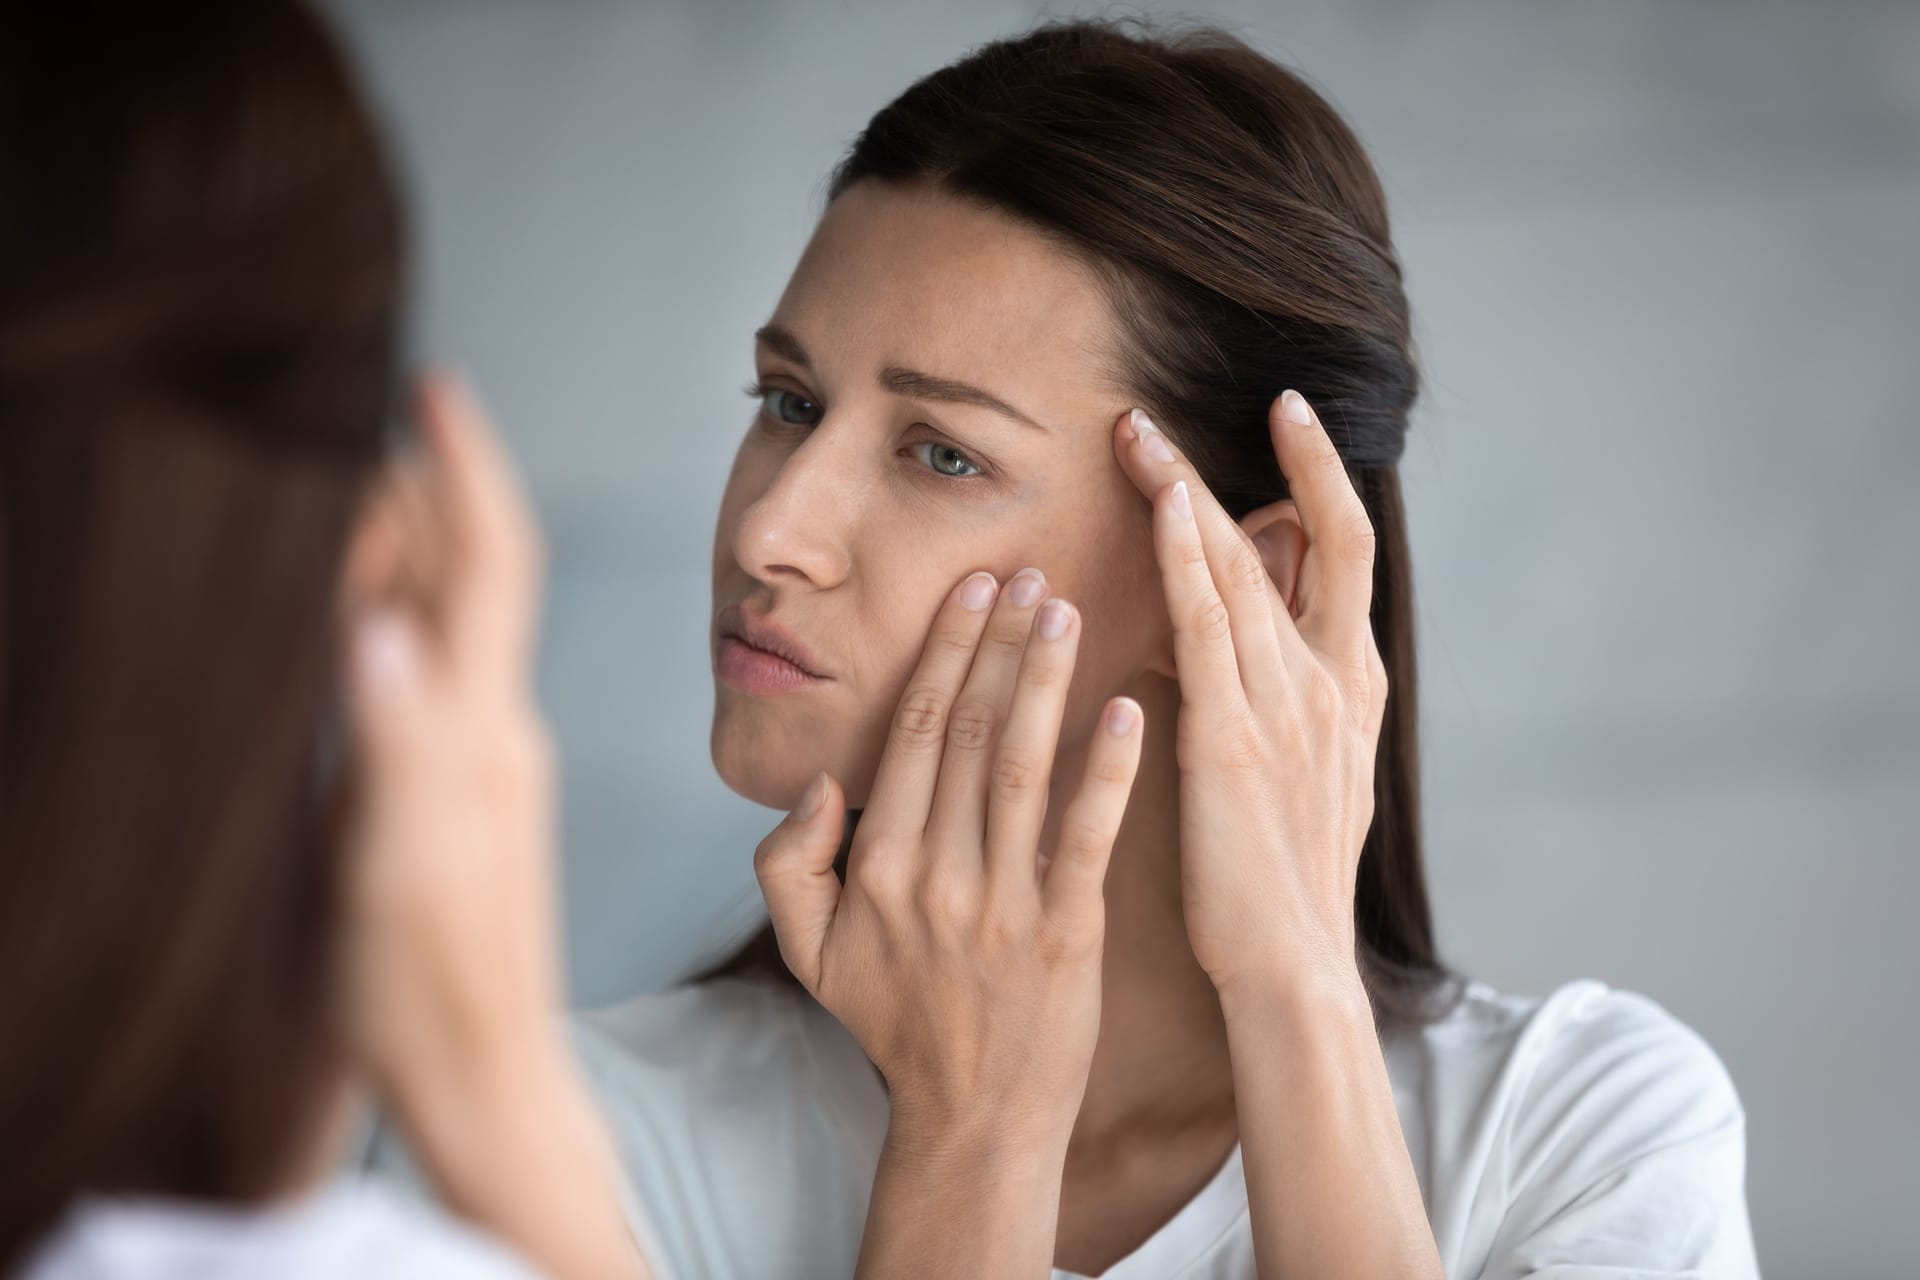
(1293, 407)
(1152, 443)
(1027, 587)
(811, 800)
(1121, 717)
(1054, 619)
(1182, 504)
(383, 651)
(977, 592)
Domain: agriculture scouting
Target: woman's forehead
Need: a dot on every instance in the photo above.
(906, 277)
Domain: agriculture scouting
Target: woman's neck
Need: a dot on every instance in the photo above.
(1161, 1060)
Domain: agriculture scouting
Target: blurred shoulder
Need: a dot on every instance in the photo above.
(355, 1227)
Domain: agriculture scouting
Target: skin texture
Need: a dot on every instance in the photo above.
(1230, 1004)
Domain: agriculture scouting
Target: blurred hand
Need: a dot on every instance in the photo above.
(450, 952)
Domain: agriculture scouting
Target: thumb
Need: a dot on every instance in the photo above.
(794, 865)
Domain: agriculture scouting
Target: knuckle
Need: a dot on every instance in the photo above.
(1016, 771)
(767, 857)
(1243, 751)
(1008, 641)
(1323, 697)
(1082, 838)
(971, 725)
(1072, 940)
(1358, 538)
(1210, 621)
(921, 717)
(944, 902)
(876, 878)
(1246, 572)
(958, 641)
(1041, 672)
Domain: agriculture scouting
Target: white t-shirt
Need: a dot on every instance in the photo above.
(1588, 1134)
(351, 1229)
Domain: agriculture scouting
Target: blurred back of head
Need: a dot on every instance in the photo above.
(201, 265)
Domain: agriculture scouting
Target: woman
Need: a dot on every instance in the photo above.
(209, 948)
(1030, 259)
(226, 913)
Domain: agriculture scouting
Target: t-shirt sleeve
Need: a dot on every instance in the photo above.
(1626, 1151)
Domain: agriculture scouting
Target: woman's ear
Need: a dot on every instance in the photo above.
(1282, 541)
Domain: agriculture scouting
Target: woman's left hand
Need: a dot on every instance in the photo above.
(1281, 704)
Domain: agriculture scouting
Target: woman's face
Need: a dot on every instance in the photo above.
(935, 397)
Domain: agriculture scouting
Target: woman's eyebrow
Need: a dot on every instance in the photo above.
(780, 340)
(912, 383)
(925, 386)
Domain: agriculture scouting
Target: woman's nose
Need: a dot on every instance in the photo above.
(796, 530)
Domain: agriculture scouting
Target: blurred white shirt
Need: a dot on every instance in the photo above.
(1582, 1135)
(351, 1229)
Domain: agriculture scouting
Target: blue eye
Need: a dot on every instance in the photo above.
(784, 406)
(945, 459)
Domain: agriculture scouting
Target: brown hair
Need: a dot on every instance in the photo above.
(1243, 236)
(201, 260)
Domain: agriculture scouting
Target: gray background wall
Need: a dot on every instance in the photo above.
(1662, 259)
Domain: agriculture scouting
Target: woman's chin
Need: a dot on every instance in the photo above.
(777, 776)
(754, 772)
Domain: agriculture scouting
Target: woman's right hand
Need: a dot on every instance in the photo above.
(450, 978)
(963, 958)
(450, 959)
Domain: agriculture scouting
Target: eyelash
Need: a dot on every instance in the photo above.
(763, 392)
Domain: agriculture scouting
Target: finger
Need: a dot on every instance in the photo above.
(1077, 874)
(1333, 614)
(384, 693)
(794, 866)
(903, 785)
(494, 553)
(1022, 770)
(1230, 603)
(959, 815)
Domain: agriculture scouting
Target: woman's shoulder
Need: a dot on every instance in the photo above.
(352, 1228)
(1581, 1038)
(1588, 1123)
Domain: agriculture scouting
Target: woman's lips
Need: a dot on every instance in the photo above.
(752, 670)
(755, 654)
